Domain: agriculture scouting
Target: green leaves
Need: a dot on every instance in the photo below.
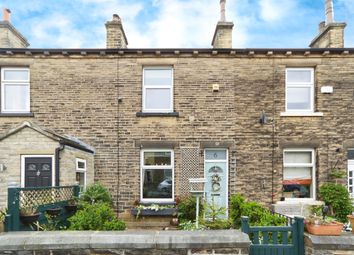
(336, 196)
(97, 216)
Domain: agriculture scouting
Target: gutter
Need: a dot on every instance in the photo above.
(57, 163)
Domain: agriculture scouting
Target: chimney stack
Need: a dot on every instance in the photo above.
(331, 33)
(115, 33)
(223, 32)
(6, 14)
(9, 36)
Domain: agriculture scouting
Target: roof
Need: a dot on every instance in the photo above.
(65, 140)
(177, 51)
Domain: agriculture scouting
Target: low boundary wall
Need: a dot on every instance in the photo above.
(125, 242)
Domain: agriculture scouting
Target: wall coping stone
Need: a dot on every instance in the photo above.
(64, 240)
(342, 242)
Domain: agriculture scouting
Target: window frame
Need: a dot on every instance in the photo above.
(312, 165)
(350, 162)
(81, 170)
(145, 87)
(15, 82)
(143, 167)
(310, 85)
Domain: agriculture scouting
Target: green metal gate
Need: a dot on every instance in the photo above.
(279, 240)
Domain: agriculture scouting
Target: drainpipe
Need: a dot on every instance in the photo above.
(57, 163)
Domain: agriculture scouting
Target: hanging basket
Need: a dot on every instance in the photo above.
(29, 219)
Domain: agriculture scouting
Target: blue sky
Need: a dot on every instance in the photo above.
(174, 23)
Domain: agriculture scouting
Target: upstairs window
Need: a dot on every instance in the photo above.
(15, 90)
(299, 90)
(158, 89)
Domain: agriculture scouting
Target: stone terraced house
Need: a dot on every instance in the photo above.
(270, 124)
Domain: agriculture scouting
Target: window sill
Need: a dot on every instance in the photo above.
(157, 114)
(300, 114)
(8, 114)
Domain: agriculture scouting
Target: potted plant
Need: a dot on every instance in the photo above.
(72, 205)
(29, 215)
(54, 210)
(351, 220)
(2, 220)
(323, 226)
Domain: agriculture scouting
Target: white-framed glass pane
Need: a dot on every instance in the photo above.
(81, 165)
(16, 75)
(298, 173)
(299, 98)
(158, 77)
(158, 99)
(215, 154)
(157, 183)
(298, 157)
(299, 76)
(80, 179)
(157, 158)
(16, 97)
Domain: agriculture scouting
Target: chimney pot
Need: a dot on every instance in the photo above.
(329, 12)
(222, 10)
(321, 26)
(116, 18)
(6, 14)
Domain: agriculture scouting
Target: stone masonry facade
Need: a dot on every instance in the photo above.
(96, 97)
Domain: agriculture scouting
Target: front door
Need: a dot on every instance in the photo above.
(216, 174)
(38, 171)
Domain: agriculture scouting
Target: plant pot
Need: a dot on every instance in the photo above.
(55, 211)
(2, 227)
(29, 219)
(71, 208)
(174, 222)
(351, 220)
(332, 229)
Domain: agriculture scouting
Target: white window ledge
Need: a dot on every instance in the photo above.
(301, 114)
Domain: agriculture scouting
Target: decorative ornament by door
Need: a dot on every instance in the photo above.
(215, 183)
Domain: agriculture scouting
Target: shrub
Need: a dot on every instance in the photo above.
(187, 209)
(257, 214)
(337, 198)
(97, 216)
(96, 193)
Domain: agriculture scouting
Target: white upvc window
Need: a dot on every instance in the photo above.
(299, 95)
(15, 90)
(158, 89)
(299, 173)
(157, 175)
(81, 170)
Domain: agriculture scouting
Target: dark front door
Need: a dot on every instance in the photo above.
(38, 172)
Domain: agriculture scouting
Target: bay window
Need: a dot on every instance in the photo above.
(15, 90)
(157, 171)
(299, 173)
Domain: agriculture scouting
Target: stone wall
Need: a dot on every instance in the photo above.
(78, 95)
(10, 37)
(68, 166)
(329, 245)
(134, 243)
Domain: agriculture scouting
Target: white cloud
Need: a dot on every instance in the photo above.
(276, 10)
